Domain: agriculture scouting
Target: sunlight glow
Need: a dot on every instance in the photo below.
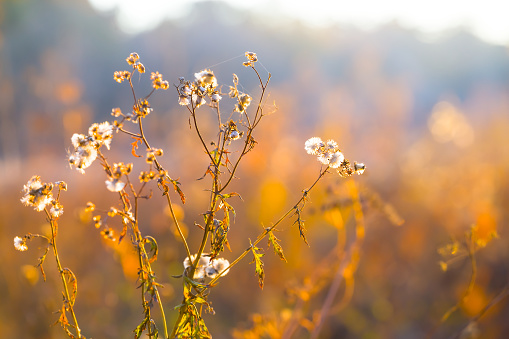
(486, 19)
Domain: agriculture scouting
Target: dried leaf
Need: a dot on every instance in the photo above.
(275, 244)
(259, 264)
(134, 145)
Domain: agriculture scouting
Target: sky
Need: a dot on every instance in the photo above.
(486, 19)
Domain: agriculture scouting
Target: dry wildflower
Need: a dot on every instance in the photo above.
(139, 67)
(233, 89)
(120, 76)
(108, 234)
(217, 266)
(37, 194)
(85, 147)
(117, 125)
(83, 156)
(331, 145)
(329, 154)
(243, 101)
(62, 185)
(158, 152)
(56, 210)
(251, 59)
(142, 108)
(336, 159)
(251, 56)
(116, 112)
(184, 100)
(102, 133)
(234, 135)
(20, 244)
(147, 176)
(313, 145)
(359, 168)
(207, 267)
(186, 90)
(114, 185)
(90, 207)
(97, 221)
(198, 100)
(346, 169)
(324, 157)
(132, 58)
(215, 97)
(158, 82)
(206, 78)
(112, 212)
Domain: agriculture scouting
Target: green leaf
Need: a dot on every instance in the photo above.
(277, 247)
(259, 264)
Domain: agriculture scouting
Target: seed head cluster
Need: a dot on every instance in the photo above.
(37, 194)
(207, 267)
(204, 85)
(328, 153)
(86, 146)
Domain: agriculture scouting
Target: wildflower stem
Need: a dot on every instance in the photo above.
(68, 300)
(269, 229)
(170, 205)
(129, 133)
(193, 115)
(247, 142)
(142, 254)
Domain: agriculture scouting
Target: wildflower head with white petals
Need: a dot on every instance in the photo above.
(207, 267)
(313, 145)
(37, 193)
(20, 244)
(87, 146)
(328, 153)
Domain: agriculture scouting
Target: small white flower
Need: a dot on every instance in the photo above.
(219, 265)
(325, 157)
(114, 185)
(243, 101)
(79, 140)
(37, 194)
(184, 100)
(20, 244)
(204, 261)
(83, 157)
(336, 159)
(359, 168)
(103, 133)
(234, 135)
(313, 145)
(215, 97)
(331, 145)
(56, 210)
(206, 78)
(198, 100)
(186, 90)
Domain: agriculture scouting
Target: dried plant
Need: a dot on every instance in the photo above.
(203, 266)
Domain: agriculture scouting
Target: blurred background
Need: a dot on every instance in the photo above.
(420, 95)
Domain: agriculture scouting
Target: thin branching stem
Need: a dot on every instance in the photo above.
(68, 300)
(249, 131)
(269, 229)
